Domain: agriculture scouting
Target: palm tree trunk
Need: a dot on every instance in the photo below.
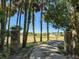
(17, 18)
(8, 31)
(24, 31)
(41, 27)
(26, 36)
(47, 31)
(41, 23)
(58, 33)
(19, 25)
(8, 25)
(48, 25)
(28, 23)
(6, 16)
(33, 24)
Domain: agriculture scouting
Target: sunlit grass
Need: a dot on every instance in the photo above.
(44, 38)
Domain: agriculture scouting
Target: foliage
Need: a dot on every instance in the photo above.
(7, 12)
(58, 14)
(15, 27)
(1, 13)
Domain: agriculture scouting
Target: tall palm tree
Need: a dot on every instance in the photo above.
(19, 24)
(41, 7)
(33, 24)
(47, 31)
(29, 19)
(25, 21)
(36, 8)
(48, 22)
(17, 17)
(9, 24)
(28, 22)
(47, 3)
(41, 27)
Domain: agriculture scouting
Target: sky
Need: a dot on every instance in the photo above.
(37, 24)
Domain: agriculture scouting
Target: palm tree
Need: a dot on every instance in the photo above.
(19, 20)
(9, 24)
(17, 17)
(19, 23)
(41, 27)
(48, 22)
(29, 19)
(28, 23)
(33, 24)
(25, 21)
(47, 31)
(36, 8)
(41, 5)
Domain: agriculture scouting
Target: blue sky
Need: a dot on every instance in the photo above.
(37, 23)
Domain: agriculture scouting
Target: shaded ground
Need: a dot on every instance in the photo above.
(41, 51)
(45, 51)
(22, 55)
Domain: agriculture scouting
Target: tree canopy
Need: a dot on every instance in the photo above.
(59, 12)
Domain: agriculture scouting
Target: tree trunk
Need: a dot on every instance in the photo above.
(47, 31)
(8, 31)
(26, 35)
(68, 36)
(17, 18)
(72, 34)
(28, 23)
(8, 25)
(41, 27)
(33, 24)
(24, 31)
(19, 26)
(58, 34)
